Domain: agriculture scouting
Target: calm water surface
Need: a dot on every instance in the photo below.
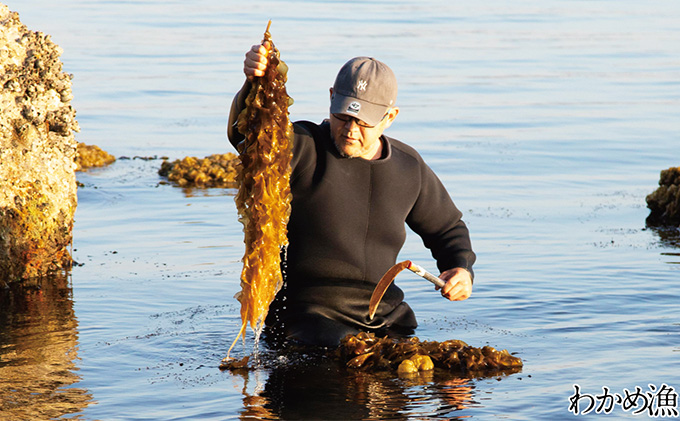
(548, 121)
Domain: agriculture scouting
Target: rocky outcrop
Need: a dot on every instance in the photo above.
(37, 153)
(664, 202)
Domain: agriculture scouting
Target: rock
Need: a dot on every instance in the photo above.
(664, 202)
(37, 153)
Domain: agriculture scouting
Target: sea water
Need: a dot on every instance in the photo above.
(547, 121)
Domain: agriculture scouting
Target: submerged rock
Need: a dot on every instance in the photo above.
(90, 156)
(37, 153)
(218, 170)
(664, 202)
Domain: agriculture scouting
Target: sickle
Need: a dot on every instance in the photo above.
(389, 276)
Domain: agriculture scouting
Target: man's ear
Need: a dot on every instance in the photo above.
(391, 115)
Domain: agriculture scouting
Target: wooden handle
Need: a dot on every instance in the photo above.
(418, 270)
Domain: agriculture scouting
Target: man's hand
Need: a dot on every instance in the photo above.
(458, 285)
(256, 61)
(253, 66)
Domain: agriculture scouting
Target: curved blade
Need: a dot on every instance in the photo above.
(382, 286)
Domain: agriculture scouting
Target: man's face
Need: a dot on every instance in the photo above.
(353, 139)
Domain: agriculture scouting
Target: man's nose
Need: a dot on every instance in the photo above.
(351, 123)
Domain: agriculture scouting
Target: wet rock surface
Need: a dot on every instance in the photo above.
(664, 202)
(37, 153)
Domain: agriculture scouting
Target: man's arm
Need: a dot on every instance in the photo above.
(438, 222)
(237, 105)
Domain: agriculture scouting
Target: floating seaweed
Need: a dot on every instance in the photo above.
(233, 364)
(415, 364)
(263, 199)
(664, 202)
(218, 170)
(90, 156)
(404, 357)
(365, 351)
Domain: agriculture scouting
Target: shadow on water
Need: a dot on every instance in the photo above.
(38, 350)
(310, 385)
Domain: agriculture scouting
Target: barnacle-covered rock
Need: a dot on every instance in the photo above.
(664, 202)
(367, 352)
(90, 156)
(37, 153)
(218, 170)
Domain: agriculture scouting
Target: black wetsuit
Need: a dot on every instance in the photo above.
(346, 229)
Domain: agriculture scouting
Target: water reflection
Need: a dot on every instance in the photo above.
(38, 347)
(319, 387)
(668, 236)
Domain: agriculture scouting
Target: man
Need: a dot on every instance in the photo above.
(353, 189)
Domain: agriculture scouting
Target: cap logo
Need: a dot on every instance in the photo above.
(354, 108)
(361, 86)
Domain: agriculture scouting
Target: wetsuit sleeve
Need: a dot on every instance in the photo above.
(237, 105)
(437, 220)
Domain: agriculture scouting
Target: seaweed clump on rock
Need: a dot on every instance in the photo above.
(38, 192)
(664, 202)
(218, 170)
(409, 355)
(90, 156)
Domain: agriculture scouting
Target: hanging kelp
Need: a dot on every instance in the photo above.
(263, 199)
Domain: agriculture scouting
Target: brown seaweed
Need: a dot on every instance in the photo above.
(90, 156)
(263, 199)
(365, 351)
(232, 364)
(664, 202)
(217, 170)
